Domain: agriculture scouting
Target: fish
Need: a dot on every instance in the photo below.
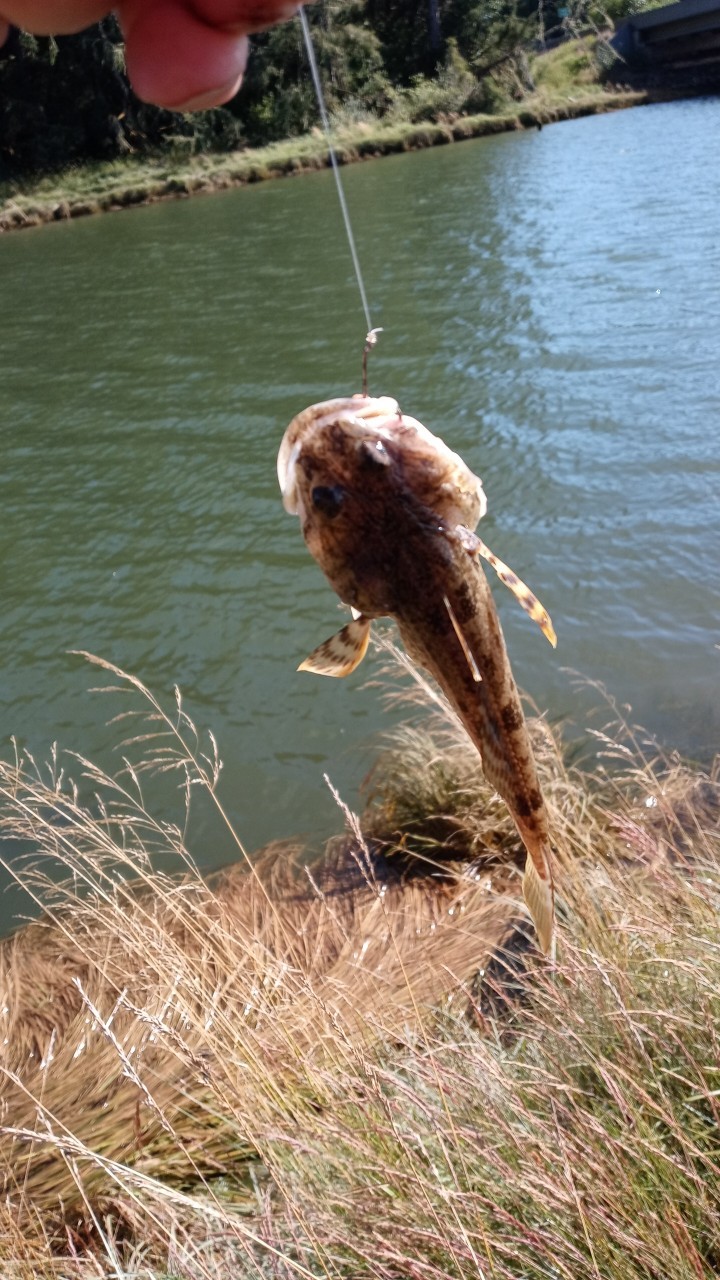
(389, 513)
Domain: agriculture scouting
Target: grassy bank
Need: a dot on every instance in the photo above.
(363, 1069)
(566, 86)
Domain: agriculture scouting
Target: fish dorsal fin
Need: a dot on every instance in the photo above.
(343, 652)
(469, 656)
(522, 593)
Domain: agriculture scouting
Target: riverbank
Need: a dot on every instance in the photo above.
(126, 183)
(366, 1070)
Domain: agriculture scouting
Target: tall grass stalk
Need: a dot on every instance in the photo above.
(361, 1068)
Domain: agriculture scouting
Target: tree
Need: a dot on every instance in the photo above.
(277, 99)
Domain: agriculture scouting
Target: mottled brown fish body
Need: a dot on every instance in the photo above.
(388, 511)
(489, 708)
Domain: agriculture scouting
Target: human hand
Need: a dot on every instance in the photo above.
(181, 54)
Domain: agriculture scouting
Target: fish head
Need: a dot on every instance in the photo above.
(364, 479)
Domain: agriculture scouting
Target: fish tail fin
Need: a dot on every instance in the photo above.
(342, 653)
(539, 895)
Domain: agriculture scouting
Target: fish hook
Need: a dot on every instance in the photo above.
(370, 342)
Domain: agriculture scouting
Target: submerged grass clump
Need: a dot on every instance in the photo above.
(361, 1067)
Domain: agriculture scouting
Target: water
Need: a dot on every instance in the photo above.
(550, 306)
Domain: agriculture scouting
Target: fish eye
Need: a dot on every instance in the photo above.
(328, 499)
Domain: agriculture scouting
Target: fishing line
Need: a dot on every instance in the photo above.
(336, 173)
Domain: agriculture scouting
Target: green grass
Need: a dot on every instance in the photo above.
(364, 1069)
(566, 69)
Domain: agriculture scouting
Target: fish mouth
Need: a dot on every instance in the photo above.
(361, 416)
(379, 418)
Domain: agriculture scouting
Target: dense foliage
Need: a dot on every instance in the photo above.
(68, 99)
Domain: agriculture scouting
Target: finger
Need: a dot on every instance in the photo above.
(4, 31)
(48, 17)
(176, 60)
(52, 17)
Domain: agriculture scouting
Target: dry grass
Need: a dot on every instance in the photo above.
(361, 1068)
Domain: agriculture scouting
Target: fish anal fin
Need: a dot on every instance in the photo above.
(540, 900)
(342, 653)
(522, 593)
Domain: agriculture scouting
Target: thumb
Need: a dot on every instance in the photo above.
(177, 60)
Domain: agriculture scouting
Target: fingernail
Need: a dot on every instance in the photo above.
(213, 97)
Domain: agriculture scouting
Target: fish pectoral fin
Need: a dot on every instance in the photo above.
(343, 652)
(522, 593)
(469, 656)
(540, 900)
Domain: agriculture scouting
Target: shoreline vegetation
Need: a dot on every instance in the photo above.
(567, 86)
(124, 184)
(361, 1067)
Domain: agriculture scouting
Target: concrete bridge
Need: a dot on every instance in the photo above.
(683, 34)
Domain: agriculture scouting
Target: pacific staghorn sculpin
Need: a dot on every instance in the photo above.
(389, 513)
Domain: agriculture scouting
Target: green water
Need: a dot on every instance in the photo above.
(551, 307)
